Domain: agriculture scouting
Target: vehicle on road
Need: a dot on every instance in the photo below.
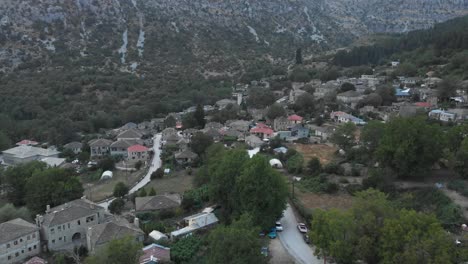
(302, 228)
(306, 238)
(279, 226)
(272, 233)
(264, 251)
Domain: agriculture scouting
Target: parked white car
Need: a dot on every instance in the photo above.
(279, 226)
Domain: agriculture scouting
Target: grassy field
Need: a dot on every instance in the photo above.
(324, 201)
(100, 190)
(324, 152)
(177, 182)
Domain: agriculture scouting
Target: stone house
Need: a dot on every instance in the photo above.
(119, 147)
(19, 240)
(137, 152)
(76, 147)
(158, 202)
(98, 236)
(25, 153)
(64, 227)
(99, 147)
(254, 141)
(185, 157)
(281, 124)
(131, 134)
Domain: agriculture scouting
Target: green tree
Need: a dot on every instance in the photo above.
(5, 141)
(185, 249)
(152, 192)
(415, 238)
(237, 243)
(9, 212)
(262, 192)
(119, 251)
(138, 165)
(223, 187)
(53, 187)
(116, 206)
(200, 142)
(344, 136)
(314, 166)
(120, 189)
(170, 121)
(371, 135)
(333, 233)
(16, 178)
(388, 94)
(305, 104)
(157, 174)
(142, 193)
(410, 146)
(260, 97)
(83, 157)
(347, 87)
(275, 111)
(199, 116)
(295, 163)
(461, 164)
(106, 163)
(446, 89)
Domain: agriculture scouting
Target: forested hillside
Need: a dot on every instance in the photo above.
(445, 43)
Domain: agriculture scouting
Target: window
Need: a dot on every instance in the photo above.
(63, 227)
(65, 238)
(79, 222)
(29, 248)
(68, 225)
(8, 245)
(22, 251)
(60, 238)
(9, 257)
(53, 241)
(21, 240)
(59, 228)
(52, 231)
(89, 219)
(16, 254)
(34, 235)
(16, 242)
(34, 247)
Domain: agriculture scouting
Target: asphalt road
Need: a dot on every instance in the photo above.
(293, 240)
(155, 164)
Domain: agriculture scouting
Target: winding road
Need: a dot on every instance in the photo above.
(155, 164)
(293, 241)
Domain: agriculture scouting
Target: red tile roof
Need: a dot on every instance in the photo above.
(262, 130)
(27, 142)
(137, 148)
(155, 251)
(35, 260)
(423, 104)
(295, 118)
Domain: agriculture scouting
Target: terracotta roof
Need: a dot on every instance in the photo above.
(35, 260)
(423, 104)
(262, 130)
(295, 118)
(137, 148)
(27, 142)
(154, 252)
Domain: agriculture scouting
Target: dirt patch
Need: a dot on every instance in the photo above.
(325, 201)
(100, 190)
(278, 254)
(177, 182)
(324, 152)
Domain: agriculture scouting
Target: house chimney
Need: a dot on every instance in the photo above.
(47, 209)
(136, 222)
(39, 220)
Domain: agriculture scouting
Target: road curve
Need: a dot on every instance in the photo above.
(293, 241)
(155, 164)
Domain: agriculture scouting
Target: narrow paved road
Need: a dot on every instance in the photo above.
(155, 164)
(294, 242)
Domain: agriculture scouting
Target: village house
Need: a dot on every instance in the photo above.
(239, 125)
(294, 94)
(221, 104)
(299, 131)
(281, 124)
(27, 142)
(342, 117)
(172, 139)
(98, 236)
(183, 143)
(442, 115)
(262, 131)
(254, 141)
(76, 147)
(25, 153)
(257, 114)
(195, 222)
(185, 157)
(189, 132)
(119, 147)
(65, 226)
(215, 134)
(129, 125)
(131, 134)
(99, 147)
(283, 135)
(168, 132)
(19, 240)
(350, 97)
(138, 152)
(158, 202)
(154, 254)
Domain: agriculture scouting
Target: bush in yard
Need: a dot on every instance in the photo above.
(165, 214)
(138, 165)
(120, 189)
(333, 168)
(116, 206)
(157, 174)
(185, 249)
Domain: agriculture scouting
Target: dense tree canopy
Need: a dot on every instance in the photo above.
(121, 251)
(344, 136)
(16, 178)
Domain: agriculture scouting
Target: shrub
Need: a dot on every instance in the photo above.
(165, 214)
(116, 206)
(120, 189)
(319, 184)
(333, 168)
(157, 174)
(353, 188)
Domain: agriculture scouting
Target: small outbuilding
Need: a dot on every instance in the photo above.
(107, 175)
(156, 235)
(276, 163)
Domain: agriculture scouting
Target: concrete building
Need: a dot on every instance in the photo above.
(99, 147)
(19, 240)
(65, 226)
(76, 147)
(25, 153)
